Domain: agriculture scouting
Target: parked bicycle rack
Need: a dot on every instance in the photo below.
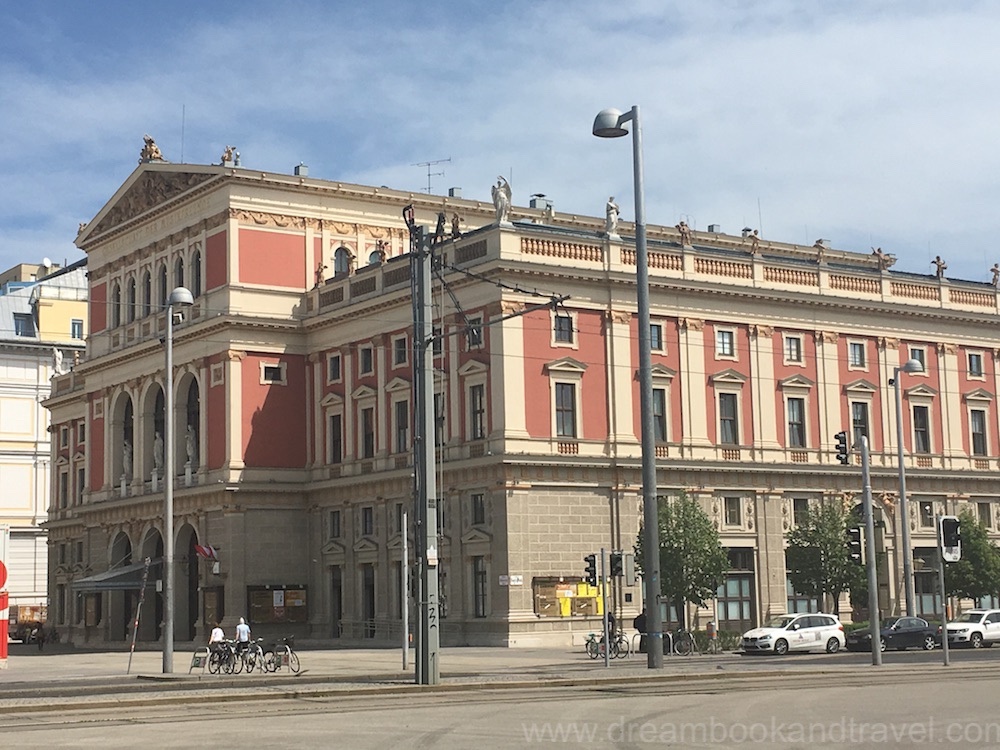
(199, 659)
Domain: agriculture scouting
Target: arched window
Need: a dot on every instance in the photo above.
(179, 272)
(196, 274)
(374, 258)
(116, 306)
(147, 294)
(341, 261)
(130, 300)
(163, 286)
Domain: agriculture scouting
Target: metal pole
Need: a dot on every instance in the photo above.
(168, 501)
(903, 510)
(650, 516)
(603, 589)
(875, 625)
(404, 593)
(944, 599)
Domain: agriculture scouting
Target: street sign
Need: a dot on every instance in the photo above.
(3, 574)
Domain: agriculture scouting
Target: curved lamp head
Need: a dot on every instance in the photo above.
(912, 365)
(608, 124)
(180, 296)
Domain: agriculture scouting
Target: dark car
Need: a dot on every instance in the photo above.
(899, 633)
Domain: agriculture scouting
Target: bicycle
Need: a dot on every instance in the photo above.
(253, 656)
(619, 646)
(684, 643)
(223, 658)
(281, 655)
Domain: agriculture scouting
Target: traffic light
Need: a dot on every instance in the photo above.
(856, 545)
(590, 569)
(842, 452)
(617, 567)
(950, 538)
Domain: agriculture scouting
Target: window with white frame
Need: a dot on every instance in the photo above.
(793, 349)
(859, 421)
(333, 524)
(660, 414)
(926, 514)
(921, 429)
(401, 420)
(977, 426)
(368, 520)
(976, 365)
(479, 586)
(729, 424)
(477, 411)
(656, 337)
(273, 373)
(366, 360)
(562, 328)
(437, 341)
(439, 403)
(566, 410)
(984, 512)
(856, 359)
(367, 432)
(400, 351)
(76, 328)
(333, 371)
(733, 511)
(796, 409)
(116, 306)
(474, 333)
(477, 508)
(24, 323)
(920, 354)
(335, 438)
(725, 343)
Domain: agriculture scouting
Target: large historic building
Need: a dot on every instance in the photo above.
(43, 315)
(293, 407)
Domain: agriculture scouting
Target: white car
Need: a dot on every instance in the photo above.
(975, 628)
(796, 633)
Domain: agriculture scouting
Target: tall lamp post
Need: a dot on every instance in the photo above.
(179, 297)
(609, 123)
(912, 365)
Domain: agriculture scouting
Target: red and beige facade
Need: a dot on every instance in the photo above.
(293, 407)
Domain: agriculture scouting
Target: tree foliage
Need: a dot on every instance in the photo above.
(693, 561)
(817, 557)
(977, 574)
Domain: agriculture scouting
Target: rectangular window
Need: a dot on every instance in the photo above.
(656, 337)
(859, 421)
(438, 419)
(442, 519)
(333, 524)
(660, 414)
(402, 426)
(64, 437)
(479, 586)
(333, 368)
(477, 412)
(273, 374)
(564, 329)
(81, 433)
(725, 345)
(985, 514)
(977, 418)
(800, 511)
(733, 511)
(63, 489)
(76, 328)
(793, 349)
(566, 410)
(926, 515)
(368, 433)
(796, 602)
(336, 439)
(366, 360)
(399, 518)
(478, 509)
(921, 430)
(729, 428)
(918, 353)
(975, 365)
(856, 354)
(79, 552)
(475, 333)
(24, 324)
(796, 423)
(400, 352)
(81, 484)
(368, 520)
(438, 341)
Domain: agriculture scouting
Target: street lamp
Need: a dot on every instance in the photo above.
(912, 365)
(609, 123)
(179, 297)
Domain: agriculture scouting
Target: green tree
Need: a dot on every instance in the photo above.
(693, 561)
(817, 558)
(977, 574)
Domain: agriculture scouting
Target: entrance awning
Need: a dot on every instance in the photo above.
(124, 578)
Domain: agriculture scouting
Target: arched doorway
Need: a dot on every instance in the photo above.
(151, 619)
(121, 604)
(186, 584)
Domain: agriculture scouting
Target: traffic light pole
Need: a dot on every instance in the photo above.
(604, 605)
(874, 624)
(944, 596)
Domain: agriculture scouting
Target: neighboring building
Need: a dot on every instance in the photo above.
(25, 275)
(36, 320)
(293, 408)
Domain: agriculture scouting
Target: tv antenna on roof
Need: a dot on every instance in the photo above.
(430, 174)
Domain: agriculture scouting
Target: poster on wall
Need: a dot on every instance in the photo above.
(279, 603)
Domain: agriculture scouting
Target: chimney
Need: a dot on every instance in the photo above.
(454, 192)
(302, 170)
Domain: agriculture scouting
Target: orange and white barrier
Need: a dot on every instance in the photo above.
(3, 629)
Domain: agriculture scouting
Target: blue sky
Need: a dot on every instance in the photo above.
(865, 123)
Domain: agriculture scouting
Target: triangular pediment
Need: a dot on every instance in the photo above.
(363, 392)
(566, 364)
(472, 367)
(796, 381)
(397, 384)
(980, 394)
(332, 399)
(728, 376)
(78, 457)
(661, 372)
(365, 545)
(921, 391)
(860, 386)
(333, 547)
(62, 461)
(149, 187)
(476, 536)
